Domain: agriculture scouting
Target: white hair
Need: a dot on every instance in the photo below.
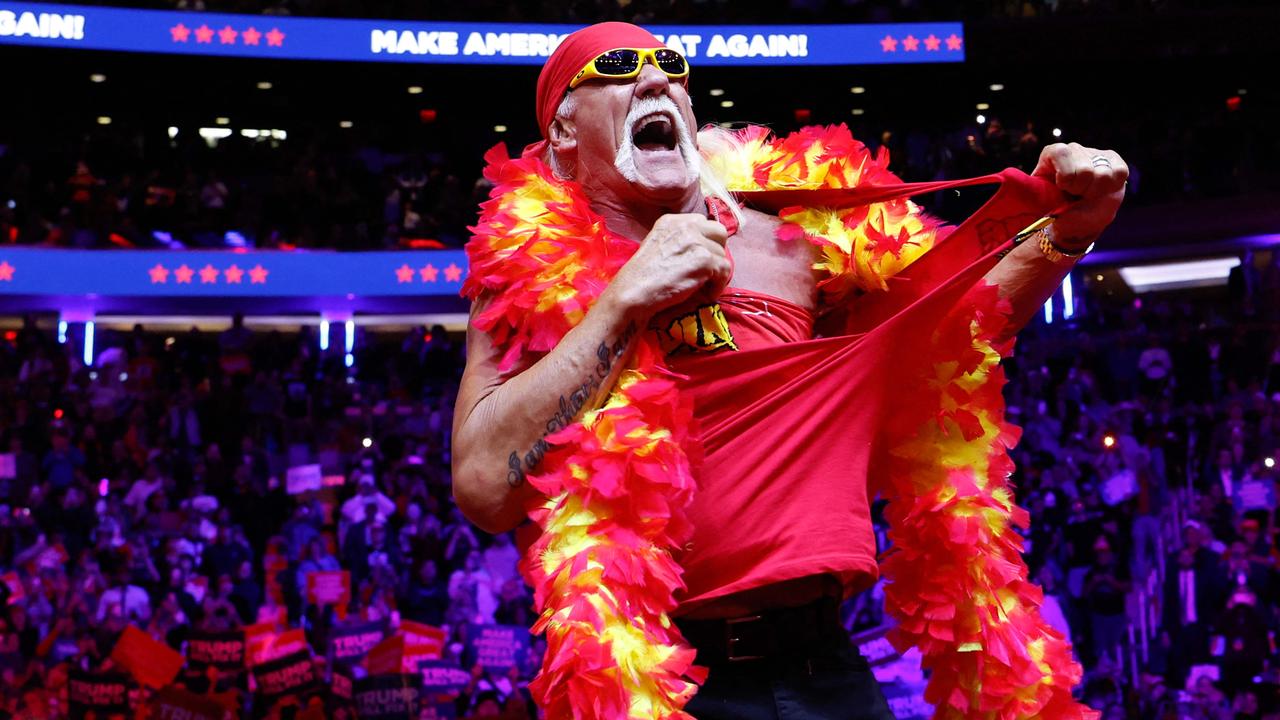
(708, 181)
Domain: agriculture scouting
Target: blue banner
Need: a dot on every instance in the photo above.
(272, 36)
(262, 273)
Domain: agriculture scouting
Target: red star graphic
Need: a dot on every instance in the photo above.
(250, 36)
(227, 36)
(159, 274)
(888, 44)
(208, 275)
(183, 274)
(275, 37)
(180, 32)
(910, 43)
(453, 273)
(429, 273)
(6, 271)
(234, 274)
(932, 42)
(954, 42)
(258, 275)
(204, 34)
(404, 274)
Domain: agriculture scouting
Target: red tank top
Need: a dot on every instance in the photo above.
(783, 490)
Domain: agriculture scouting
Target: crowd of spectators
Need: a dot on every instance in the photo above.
(306, 192)
(322, 189)
(149, 490)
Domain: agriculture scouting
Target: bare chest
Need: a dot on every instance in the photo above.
(764, 264)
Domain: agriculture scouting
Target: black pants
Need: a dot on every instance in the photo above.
(837, 684)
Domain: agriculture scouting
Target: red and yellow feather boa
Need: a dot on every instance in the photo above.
(616, 482)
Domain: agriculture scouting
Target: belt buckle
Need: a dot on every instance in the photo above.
(731, 641)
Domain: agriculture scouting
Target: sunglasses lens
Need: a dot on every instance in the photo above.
(670, 62)
(618, 62)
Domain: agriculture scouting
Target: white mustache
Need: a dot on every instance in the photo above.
(642, 108)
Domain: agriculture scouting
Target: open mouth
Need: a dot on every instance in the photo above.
(655, 132)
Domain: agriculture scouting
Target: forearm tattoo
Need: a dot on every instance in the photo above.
(607, 357)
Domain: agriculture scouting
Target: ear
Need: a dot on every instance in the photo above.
(563, 135)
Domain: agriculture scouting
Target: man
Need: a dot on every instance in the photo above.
(367, 493)
(758, 606)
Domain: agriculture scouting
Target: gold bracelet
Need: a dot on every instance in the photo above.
(1055, 253)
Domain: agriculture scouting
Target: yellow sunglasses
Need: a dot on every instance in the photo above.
(625, 63)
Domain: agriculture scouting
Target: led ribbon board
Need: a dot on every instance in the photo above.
(221, 274)
(295, 38)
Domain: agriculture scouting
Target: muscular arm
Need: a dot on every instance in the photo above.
(500, 422)
(1026, 279)
(499, 427)
(1096, 181)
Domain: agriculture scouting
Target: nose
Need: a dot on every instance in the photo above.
(651, 81)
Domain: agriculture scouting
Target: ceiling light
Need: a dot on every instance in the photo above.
(1057, 132)
(415, 89)
(1242, 91)
(249, 133)
(717, 92)
(223, 121)
(982, 119)
(996, 87)
(97, 78)
(264, 85)
(279, 135)
(984, 106)
(345, 124)
(499, 128)
(104, 120)
(857, 90)
(1172, 276)
(209, 133)
(173, 132)
(859, 111)
(726, 103)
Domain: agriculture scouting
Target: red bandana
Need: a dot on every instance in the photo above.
(575, 52)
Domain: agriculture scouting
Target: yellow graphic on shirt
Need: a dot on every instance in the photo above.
(704, 329)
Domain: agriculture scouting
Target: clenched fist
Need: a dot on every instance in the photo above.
(1096, 177)
(682, 255)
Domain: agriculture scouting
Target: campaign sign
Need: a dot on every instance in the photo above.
(222, 650)
(151, 662)
(290, 675)
(875, 646)
(101, 694)
(303, 478)
(342, 686)
(1256, 494)
(329, 587)
(265, 648)
(387, 697)
(498, 648)
(427, 639)
(906, 700)
(442, 676)
(348, 645)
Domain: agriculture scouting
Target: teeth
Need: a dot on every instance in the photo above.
(650, 119)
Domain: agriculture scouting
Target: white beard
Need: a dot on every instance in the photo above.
(625, 161)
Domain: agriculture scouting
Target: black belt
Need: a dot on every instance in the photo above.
(777, 634)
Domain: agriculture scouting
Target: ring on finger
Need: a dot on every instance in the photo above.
(1101, 160)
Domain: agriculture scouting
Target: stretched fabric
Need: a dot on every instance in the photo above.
(913, 387)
